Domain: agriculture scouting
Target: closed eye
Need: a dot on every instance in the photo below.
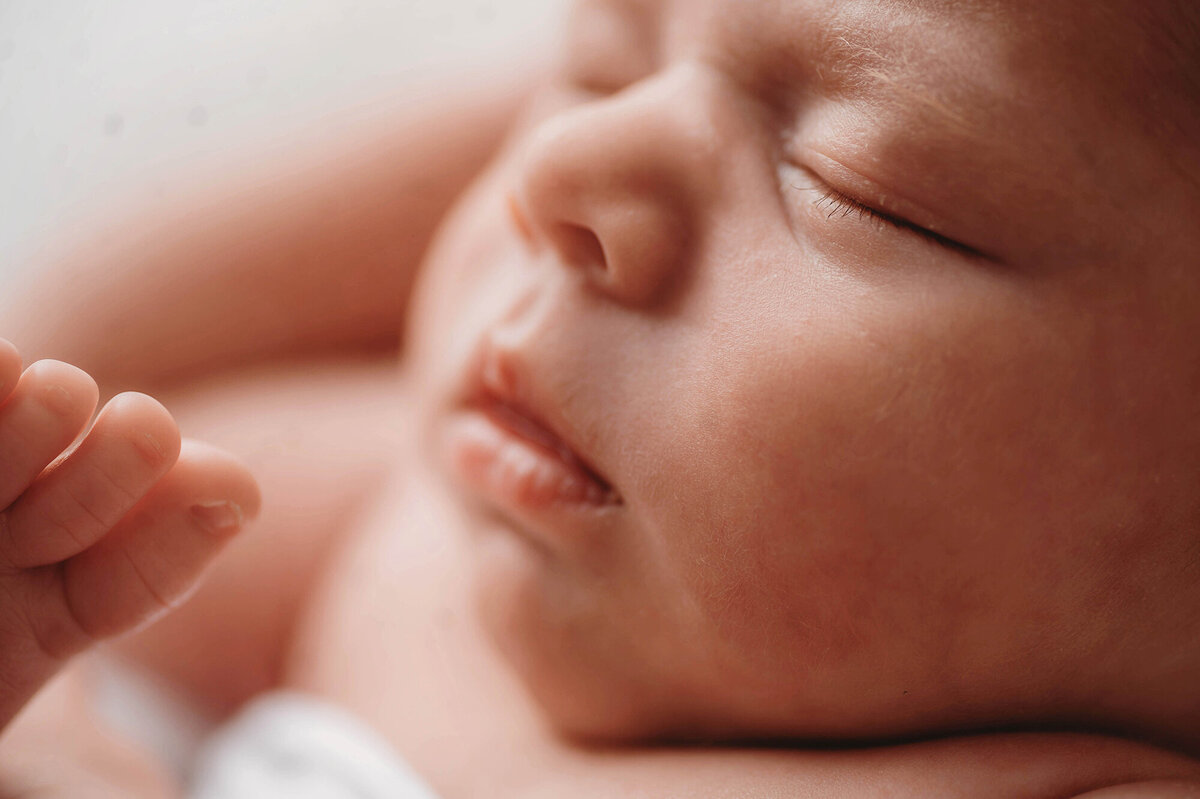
(835, 204)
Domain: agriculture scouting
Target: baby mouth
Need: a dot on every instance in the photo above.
(508, 444)
(508, 456)
(535, 463)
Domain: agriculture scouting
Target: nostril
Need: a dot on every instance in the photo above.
(581, 246)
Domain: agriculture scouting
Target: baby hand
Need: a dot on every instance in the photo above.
(101, 539)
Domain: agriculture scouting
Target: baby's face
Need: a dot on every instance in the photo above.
(876, 321)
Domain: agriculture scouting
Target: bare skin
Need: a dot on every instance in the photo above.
(448, 699)
(101, 540)
(435, 686)
(403, 583)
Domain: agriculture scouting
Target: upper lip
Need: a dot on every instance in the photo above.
(499, 379)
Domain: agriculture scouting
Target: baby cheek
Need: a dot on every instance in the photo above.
(759, 511)
(866, 485)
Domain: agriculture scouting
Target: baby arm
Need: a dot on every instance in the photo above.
(313, 252)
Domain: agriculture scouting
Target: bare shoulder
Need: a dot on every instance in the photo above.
(999, 766)
(322, 437)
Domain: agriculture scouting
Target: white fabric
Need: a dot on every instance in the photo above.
(293, 746)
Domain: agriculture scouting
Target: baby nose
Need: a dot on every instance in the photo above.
(619, 186)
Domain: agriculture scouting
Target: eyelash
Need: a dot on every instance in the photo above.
(837, 202)
(842, 205)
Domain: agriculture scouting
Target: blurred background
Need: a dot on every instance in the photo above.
(127, 104)
(103, 102)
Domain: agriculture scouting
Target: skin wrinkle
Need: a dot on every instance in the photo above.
(49, 643)
(78, 635)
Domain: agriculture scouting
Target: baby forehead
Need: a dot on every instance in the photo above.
(959, 59)
(1086, 58)
(1062, 21)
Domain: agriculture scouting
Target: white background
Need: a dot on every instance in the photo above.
(103, 99)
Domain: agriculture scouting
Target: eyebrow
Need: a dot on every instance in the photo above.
(880, 52)
(866, 74)
(840, 51)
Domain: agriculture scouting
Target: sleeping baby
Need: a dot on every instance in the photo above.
(800, 402)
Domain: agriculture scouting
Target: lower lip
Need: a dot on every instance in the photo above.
(515, 472)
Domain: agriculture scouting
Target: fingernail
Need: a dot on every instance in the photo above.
(154, 445)
(218, 517)
(57, 399)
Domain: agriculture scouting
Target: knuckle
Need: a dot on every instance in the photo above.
(67, 521)
(89, 514)
(106, 492)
